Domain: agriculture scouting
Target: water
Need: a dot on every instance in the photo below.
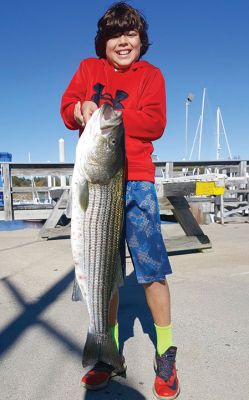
(17, 225)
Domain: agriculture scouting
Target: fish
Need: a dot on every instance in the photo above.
(96, 227)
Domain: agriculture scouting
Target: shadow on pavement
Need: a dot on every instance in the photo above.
(133, 305)
(31, 313)
(114, 391)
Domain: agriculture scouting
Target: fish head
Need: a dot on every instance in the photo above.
(105, 154)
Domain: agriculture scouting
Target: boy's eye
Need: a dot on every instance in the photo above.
(131, 33)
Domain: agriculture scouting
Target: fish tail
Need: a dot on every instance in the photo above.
(100, 347)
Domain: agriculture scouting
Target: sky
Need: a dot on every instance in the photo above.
(197, 44)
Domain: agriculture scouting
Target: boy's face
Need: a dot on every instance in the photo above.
(123, 50)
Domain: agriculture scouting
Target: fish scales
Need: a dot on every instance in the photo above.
(104, 219)
(96, 227)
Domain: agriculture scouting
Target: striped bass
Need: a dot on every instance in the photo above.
(96, 227)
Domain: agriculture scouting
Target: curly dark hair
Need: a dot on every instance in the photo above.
(120, 18)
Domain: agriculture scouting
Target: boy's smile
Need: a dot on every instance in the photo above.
(123, 50)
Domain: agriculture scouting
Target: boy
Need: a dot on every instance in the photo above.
(137, 88)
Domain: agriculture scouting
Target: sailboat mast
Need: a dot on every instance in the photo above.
(225, 134)
(218, 147)
(202, 113)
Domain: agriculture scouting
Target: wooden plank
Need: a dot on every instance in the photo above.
(49, 165)
(55, 216)
(167, 189)
(184, 216)
(28, 214)
(164, 204)
(41, 172)
(232, 191)
(59, 232)
(186, 243)
(235, 218)
(41, 169)
(7, 195)
(209, 163)
(63, 203)
(220, 164)
(31, 207)
(30, 189)
(235, 210)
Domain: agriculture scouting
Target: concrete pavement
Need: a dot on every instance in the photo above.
(43, 331)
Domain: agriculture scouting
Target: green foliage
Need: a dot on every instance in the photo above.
(38, 180)
(17, 181)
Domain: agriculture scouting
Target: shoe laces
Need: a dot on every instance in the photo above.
(165, 364)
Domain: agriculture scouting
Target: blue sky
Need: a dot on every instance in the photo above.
(196, 44)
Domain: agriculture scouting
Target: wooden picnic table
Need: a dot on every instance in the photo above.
(171, 196)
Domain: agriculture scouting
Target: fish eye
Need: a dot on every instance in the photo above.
(113, 141)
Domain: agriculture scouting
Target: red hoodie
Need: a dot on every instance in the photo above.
(138, 92)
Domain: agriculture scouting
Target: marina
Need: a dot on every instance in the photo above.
(172, 178)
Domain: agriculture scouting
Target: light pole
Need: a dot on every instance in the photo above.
(188, 101)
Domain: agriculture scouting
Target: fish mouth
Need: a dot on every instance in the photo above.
(106, 108)
(109, 117)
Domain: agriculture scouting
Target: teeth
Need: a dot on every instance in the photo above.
(123, 52)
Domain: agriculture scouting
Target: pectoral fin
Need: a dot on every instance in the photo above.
(68, 211)
(84, 195)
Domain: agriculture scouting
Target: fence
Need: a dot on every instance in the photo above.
(237, 170)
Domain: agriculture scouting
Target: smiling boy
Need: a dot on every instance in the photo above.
(137, 88)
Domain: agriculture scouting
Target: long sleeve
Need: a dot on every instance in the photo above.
(76, 91)
(149, 121)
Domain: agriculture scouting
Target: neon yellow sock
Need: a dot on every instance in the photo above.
(114, 333)
(164, 338)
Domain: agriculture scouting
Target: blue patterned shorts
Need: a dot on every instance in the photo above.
(143, 232)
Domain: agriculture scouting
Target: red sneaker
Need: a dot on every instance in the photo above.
(99, 376)
(166, 385)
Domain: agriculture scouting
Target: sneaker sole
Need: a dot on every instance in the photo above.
(105, 383)
(156, 396)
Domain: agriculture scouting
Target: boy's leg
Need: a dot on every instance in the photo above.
(158, 299)
(113, 309)
(151, 264)
(166, 385)
(113, 318)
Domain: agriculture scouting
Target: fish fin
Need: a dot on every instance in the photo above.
(68, 211)
(77, 294)
(84, 194)
(119, 275)
(100, 347)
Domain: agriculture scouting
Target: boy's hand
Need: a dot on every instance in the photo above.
(88, 108)
(84, 113)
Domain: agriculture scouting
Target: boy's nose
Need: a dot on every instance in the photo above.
(122, 39)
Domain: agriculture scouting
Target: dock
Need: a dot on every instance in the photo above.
(176, 183)
(227, 208)
(43, 331)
